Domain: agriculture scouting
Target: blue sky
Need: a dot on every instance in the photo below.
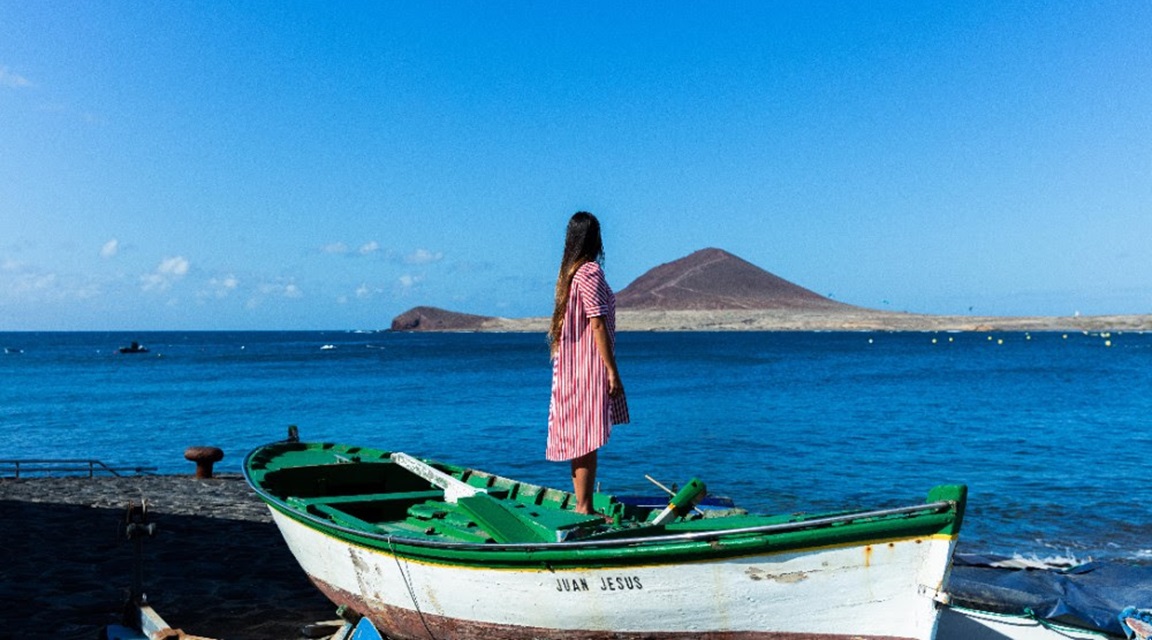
(280, 165)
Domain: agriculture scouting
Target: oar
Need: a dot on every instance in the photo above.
(669, 512)
(669, 492)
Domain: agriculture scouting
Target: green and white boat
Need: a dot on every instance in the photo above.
(432, 550)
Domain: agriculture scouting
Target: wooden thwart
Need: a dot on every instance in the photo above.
(453, 489)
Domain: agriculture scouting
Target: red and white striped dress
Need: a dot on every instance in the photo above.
(581, 413)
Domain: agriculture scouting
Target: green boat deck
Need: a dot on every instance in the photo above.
(376, 495)
(372, 493)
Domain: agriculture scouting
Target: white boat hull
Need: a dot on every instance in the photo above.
(875, 591)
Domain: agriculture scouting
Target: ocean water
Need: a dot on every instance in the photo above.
(1050, 431)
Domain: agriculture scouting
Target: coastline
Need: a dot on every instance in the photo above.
(856, 320)
(216, 567)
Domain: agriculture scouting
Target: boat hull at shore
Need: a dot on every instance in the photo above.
(865, 575)
(762, 596)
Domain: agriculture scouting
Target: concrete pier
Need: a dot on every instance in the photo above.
(216, 566)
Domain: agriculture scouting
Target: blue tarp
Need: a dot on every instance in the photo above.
(1090, 596)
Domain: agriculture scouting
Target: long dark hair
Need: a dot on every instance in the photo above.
(582, 245)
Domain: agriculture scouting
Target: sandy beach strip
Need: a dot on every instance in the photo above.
(850, 320)
(216, 567)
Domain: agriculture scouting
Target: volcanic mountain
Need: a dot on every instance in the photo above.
(713, 279)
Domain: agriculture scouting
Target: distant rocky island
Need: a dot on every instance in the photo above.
(713, 290)
(436, 319)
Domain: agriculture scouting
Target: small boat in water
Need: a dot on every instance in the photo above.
(135, 347)
(428, 549)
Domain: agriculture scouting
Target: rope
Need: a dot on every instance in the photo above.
(408, 584)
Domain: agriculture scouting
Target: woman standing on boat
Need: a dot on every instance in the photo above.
(587, 395)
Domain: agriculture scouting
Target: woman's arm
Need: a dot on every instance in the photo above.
(604, 346)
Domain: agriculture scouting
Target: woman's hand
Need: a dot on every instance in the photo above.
(615, 386)
(604, 346)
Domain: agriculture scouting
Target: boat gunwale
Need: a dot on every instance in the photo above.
(925, 509)
(931, 508)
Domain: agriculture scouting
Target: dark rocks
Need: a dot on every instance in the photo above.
(434, 319)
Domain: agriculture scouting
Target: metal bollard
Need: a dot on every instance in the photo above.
(204, 457)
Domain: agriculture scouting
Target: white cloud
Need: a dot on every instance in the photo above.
(276, 289)
(266, 291)
(48, 287)
(340, 249)
(175, 266)
(153, 282)
(110, 248)
(21, 281)
(13, 80)
(168, 271)
(221, 287)
(34, 282)
(366, 291)
(424, 256)
(408, 281)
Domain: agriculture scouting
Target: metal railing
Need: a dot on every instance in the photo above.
(55, 467)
